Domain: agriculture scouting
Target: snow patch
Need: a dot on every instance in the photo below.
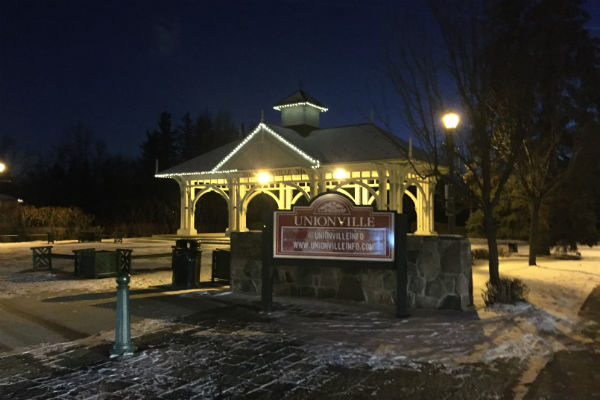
(351, 357)
(521, 347)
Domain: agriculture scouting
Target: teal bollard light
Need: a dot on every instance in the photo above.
(123, 345)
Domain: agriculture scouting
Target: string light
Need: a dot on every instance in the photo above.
(171, 175)
(261, 126)
(303, 103)
(315, 163)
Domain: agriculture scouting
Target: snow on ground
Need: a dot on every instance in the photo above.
(18, 279)
(359, 335)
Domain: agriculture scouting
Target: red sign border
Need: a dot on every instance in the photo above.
(390, 239)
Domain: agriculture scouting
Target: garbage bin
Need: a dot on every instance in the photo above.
(186, 262)
(221, 269)
(90, 263)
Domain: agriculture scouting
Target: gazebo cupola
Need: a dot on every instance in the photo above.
(300, 112)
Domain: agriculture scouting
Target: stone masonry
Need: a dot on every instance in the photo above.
(439, 274)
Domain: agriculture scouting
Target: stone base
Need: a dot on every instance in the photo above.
(439, 272)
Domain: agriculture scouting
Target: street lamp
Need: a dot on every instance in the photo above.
(450, 121)
(4, 177)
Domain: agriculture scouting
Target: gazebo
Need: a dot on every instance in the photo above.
(299, 160)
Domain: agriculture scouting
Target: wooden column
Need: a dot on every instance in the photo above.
(186, 222)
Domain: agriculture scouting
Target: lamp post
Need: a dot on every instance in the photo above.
(450, 121)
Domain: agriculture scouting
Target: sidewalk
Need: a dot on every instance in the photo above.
(229, 349)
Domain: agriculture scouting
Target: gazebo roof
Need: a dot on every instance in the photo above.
(274, 146)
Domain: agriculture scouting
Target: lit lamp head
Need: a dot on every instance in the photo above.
(264, 177)
(2, 167)
(340, 173)
(450, 120)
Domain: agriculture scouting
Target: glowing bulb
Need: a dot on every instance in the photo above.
(2, 167)
(264, 178)
(451, 120)
(340, 173)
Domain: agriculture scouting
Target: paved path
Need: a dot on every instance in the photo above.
(224, 347)
(574, 373)
(231, 350)
(209, 344)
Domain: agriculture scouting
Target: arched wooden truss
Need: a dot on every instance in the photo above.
(366, 184)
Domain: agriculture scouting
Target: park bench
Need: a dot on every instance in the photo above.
(89, 236)
(27, 236)
(117, 237)
(92, 263)
(87, 263)
(9, 238)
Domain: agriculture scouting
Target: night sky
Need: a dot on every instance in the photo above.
(115, 65)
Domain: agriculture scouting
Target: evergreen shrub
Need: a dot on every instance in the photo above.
(507, 291)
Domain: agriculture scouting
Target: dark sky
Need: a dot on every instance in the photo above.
(115, 65)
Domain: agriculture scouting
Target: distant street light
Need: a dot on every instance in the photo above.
(3, 175)
(450, 121)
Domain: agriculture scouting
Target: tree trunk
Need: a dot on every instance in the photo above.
(490, 231)
(534, 221)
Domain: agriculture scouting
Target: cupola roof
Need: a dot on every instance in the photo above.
(299, 98)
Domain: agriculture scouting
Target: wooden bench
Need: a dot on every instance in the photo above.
(9, 238)
(89, 237)
(117, 237)
(43, 255)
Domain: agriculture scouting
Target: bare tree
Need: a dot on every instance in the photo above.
(476, 59)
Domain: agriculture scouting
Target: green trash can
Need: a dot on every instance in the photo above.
(96, 264)
(186, 262)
